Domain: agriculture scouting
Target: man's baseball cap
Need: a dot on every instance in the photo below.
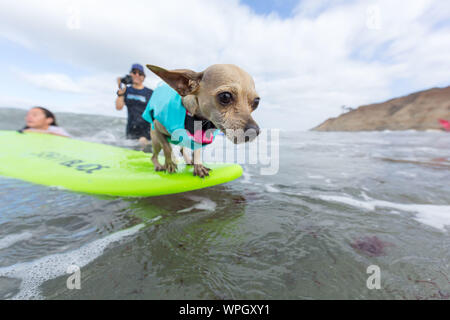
(137, 66)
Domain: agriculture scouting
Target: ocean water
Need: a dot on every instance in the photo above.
(335, 206)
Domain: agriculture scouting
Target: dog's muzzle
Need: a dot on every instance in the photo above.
(251, 131)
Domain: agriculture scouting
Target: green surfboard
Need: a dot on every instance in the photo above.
(97, 168)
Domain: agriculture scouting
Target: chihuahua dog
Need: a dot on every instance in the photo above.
(221, 97)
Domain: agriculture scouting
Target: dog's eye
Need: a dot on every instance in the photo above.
(225, 98)
(255, 103)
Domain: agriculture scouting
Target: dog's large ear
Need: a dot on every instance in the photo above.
(184, 81)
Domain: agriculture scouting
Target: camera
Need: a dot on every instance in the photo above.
(126, 80)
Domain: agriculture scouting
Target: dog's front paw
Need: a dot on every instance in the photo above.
(170, 167)
(201, 171)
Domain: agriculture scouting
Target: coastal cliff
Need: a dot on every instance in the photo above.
(417, 111)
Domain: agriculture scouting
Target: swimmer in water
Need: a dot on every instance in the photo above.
(41, 120)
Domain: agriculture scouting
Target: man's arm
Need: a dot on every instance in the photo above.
(120, 101)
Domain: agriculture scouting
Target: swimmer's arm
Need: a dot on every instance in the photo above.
(44, 131)
(35, 130)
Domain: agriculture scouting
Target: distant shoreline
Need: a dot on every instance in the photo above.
(418, 111)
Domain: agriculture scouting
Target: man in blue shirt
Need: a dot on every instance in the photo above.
(135, 97)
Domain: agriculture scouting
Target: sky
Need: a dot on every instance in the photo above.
(308, 57)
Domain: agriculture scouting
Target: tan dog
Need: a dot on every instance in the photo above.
(224, 94)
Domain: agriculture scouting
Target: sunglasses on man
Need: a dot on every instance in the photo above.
(138, 72)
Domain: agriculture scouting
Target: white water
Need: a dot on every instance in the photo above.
(433, 215)
(36, 272)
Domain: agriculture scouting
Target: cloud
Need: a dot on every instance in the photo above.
(85, 94)
(305, 67)
(17, 102)
(15, 38)
(52, 81)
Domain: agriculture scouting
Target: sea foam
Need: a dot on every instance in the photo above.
(203, 204)
(14, 238)
(36, 272)
(437, 216)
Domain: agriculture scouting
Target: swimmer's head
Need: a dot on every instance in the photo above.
(40, 118)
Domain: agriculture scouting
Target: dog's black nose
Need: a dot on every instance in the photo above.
(251, 131)
(252, 126)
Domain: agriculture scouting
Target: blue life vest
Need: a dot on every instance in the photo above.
(165, 105)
